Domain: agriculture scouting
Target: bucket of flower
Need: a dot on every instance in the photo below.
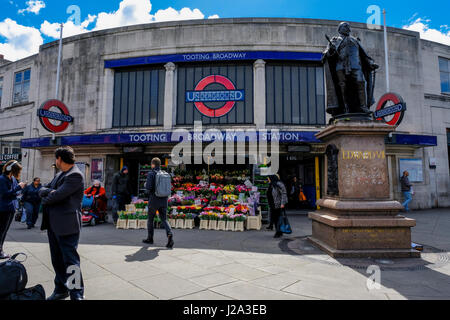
(180, 220)
(222, 222)
(212, 221)
(230, 222)
(204, 220)
(142, 221)
(239, 220)
(172, 215)
(157, 221)
(132, 221)
(189, 221)
(122, 221)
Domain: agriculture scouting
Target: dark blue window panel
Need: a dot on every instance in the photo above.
(295, 94)
(240, 74)
(138, 97)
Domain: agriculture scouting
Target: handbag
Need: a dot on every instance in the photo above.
(13, 276)
(34, 293)
(285, 226)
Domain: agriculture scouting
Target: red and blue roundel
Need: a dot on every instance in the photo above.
(200, 96)
(390, 104)
(63, 116)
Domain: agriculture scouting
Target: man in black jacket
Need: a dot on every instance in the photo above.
(121, 190)
(62, 219)
(156, 203)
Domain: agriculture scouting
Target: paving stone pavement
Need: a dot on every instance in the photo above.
(209, 265)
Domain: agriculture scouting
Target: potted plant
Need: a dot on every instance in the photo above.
(172, 220)
(132, 221)
(239, 220)
(122, 221)
(230, 222)
(180, 220)
(212, 221)
(189, 221)
(142, 221)
(222, 222)
(204, 220)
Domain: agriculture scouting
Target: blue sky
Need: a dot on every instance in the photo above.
(26, 24)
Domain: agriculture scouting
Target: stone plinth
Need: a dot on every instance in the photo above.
(356, 217)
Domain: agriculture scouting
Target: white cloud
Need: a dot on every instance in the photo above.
(70, 29)
(130, 12)
(34, 6)
(21, 41)
(170, 14)
(422, 26)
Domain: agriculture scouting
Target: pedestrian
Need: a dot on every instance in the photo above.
(32, 202)
(61, 200)
(156, 203)
(121, 191)
(8, 194)
(406, 187)
(294, 193)
(99, 194)
(277, 199)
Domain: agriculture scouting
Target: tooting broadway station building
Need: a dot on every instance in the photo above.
(126, 90)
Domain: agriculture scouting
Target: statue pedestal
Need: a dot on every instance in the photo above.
(357, 218)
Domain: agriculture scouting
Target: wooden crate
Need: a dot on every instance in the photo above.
(212, 225)
(142, 224)
(222, 225)
(230, 226)
(132, 224)
(239, 226)
(254, 222)
(204, 224)
(180, 224)
(189, 224)
(122, 224)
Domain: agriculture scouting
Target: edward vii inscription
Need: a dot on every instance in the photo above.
(363, 171)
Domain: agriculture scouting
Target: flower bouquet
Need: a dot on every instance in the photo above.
(222, 222)
(189, 221)
(132, 221)
(122, 221)
(230, 222)
(204, 220)
(142, 221)
(180, 220)
(229, 188)
(239, 220)
(212, 225)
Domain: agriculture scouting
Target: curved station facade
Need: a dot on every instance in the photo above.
(125, 91)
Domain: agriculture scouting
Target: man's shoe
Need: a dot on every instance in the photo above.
(148, 241)
(278, 235)
(58, 296)
(77, 298)
(29, 227)
(170, 243)
(269, 228)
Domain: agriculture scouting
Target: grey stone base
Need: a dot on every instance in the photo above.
(365, 253)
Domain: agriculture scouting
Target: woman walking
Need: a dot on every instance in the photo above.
(277, 199)
(32, 202)
(8, 194)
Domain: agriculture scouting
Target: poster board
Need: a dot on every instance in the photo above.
(414, 167)
(97, 169)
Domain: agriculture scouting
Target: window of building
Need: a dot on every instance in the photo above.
(444, 69)
(295, 94)
(138, 97)
(1, 90)
(21, 86)
(223, 84)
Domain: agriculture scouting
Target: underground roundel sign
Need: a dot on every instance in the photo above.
(226, 97)
(54, 116)
(390, 108)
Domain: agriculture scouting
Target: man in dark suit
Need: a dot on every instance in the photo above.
(61, 200)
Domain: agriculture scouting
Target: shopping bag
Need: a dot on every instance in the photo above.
(285, 226)
(301, 196)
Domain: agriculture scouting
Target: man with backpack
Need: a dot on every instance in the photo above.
(159, 188)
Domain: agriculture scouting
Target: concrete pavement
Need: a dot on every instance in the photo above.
(240, 265)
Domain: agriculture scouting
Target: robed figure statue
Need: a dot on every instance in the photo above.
(350, 75)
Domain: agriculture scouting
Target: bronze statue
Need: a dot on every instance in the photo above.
(350, 75)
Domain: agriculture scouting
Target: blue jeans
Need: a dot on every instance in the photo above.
(408, 198)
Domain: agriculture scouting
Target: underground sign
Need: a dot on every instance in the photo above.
(63, 117)
(200, 96)
(388, 105)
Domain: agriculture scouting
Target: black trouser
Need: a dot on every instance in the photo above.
(5, 222)
(66, 263)
(32, 210)
(163, 216)
(275, 218)
(122, 200)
